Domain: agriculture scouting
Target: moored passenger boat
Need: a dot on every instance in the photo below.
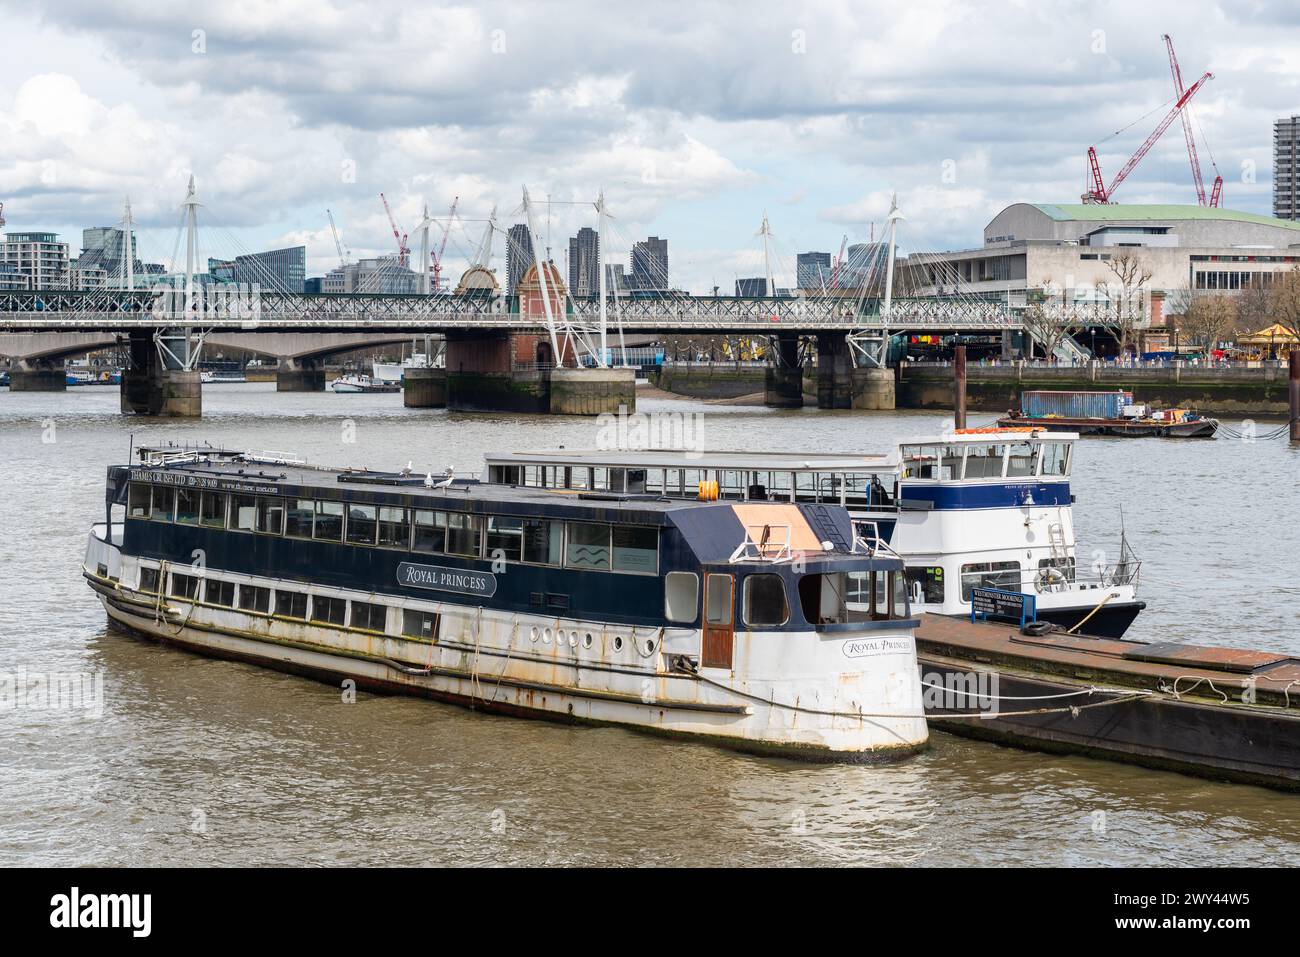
(722, 621)
(977, 508)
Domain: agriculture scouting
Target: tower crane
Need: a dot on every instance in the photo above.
(839, 263)
(1216, 192)
(1099, 192)
(338, 244)
(2, 215)
(442, 247)
(403, 250)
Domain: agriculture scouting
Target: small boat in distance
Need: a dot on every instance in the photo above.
(359, 382)
(1106, 413)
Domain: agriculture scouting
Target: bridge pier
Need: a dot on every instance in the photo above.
(515, 372)
(38, 375)
(874, 389)
(299, 375)
(834, 372)
(424, 388)
(151, 386)
(783, 381)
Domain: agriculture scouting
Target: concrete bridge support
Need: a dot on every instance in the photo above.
(515, 372)
(783, 386)
(834, 372)
(424, 388)
(874, 389)
(38, 375)
(152, 385)
(300, 375)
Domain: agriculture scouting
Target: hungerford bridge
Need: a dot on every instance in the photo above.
(500, 350)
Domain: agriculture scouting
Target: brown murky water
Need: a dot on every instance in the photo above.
(195, 761)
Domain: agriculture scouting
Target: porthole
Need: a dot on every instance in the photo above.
(573, 639)
(587, 640)
(618, 642)
(533, 633)
(649, 646)
(546, 636)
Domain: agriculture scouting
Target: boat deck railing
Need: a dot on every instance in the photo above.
(764, 549)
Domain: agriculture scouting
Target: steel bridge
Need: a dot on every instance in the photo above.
(52, 310)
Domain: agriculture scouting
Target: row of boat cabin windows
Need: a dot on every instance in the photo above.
(586, 545)
(823, 598)
(949, 463)
(286, 603)
(859, 489)
(925, 584)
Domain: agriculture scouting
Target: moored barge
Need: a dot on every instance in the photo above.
(1106, 413)
(720, 621)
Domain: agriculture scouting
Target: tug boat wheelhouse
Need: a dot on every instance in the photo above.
(979, 508)
(725, 621)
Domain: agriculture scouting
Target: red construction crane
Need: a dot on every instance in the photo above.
(403, 251)
(442, 247)
(839, 263)
(1217, 191)
(1100, 193)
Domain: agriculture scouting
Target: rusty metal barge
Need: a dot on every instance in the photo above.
(1222, 713)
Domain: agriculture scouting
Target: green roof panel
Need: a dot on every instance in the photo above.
(1118, 212)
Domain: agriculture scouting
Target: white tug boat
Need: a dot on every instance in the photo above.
(723, 621)
(359, 382)
(396, 371)
(979, 508)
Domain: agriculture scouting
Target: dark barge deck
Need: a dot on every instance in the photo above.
(1221, 713)
(1202, 428)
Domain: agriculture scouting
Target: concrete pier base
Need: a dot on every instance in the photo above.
(873, 389)
(592, 391)
(783, 387)
(299, 377)
(162, 392)
(41, 376)
(521, 391)
(424, 388)
(834, 373)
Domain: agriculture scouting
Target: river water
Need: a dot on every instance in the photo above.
(198, 761)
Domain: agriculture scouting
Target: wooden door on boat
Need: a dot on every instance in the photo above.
(719, 627)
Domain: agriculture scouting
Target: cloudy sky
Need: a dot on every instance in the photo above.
(695, 117)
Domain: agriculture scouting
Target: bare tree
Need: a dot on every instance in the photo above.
(1046, 319)
(1211, 318)
(1284, 301)
(1253, 308)
(1126, 295)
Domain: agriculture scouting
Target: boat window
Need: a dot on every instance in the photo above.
(635, 481)
(1054, 458)
(298, 522)
(362, 523)
(950, 462)
(212, 510)
(636, 549)
(220, 593)
(765, 600)
(718, 600)
(588, 546)
(430, 531)
(328, 609)
(673, 483)
(602, 480)
(505, 538)
(504, 474)
(824, 598)
(185, 586)
(290, 604)
(579, 478)
(898, 597)
(137, 500)
(926, 584)
(329, 521)
(394, 527)
(681, 596)
(464, 534)
(369, 617)
(543, 541)
(654, 481)
(731, 484)
(148, 579)
(164, 503)
(420, 624)
(984, 461)
(255, 598)
(187, 506)
(243, 512)
(1005, 575)
(920, 462)
(780, 486)
(1023, 459)
(270, 516)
